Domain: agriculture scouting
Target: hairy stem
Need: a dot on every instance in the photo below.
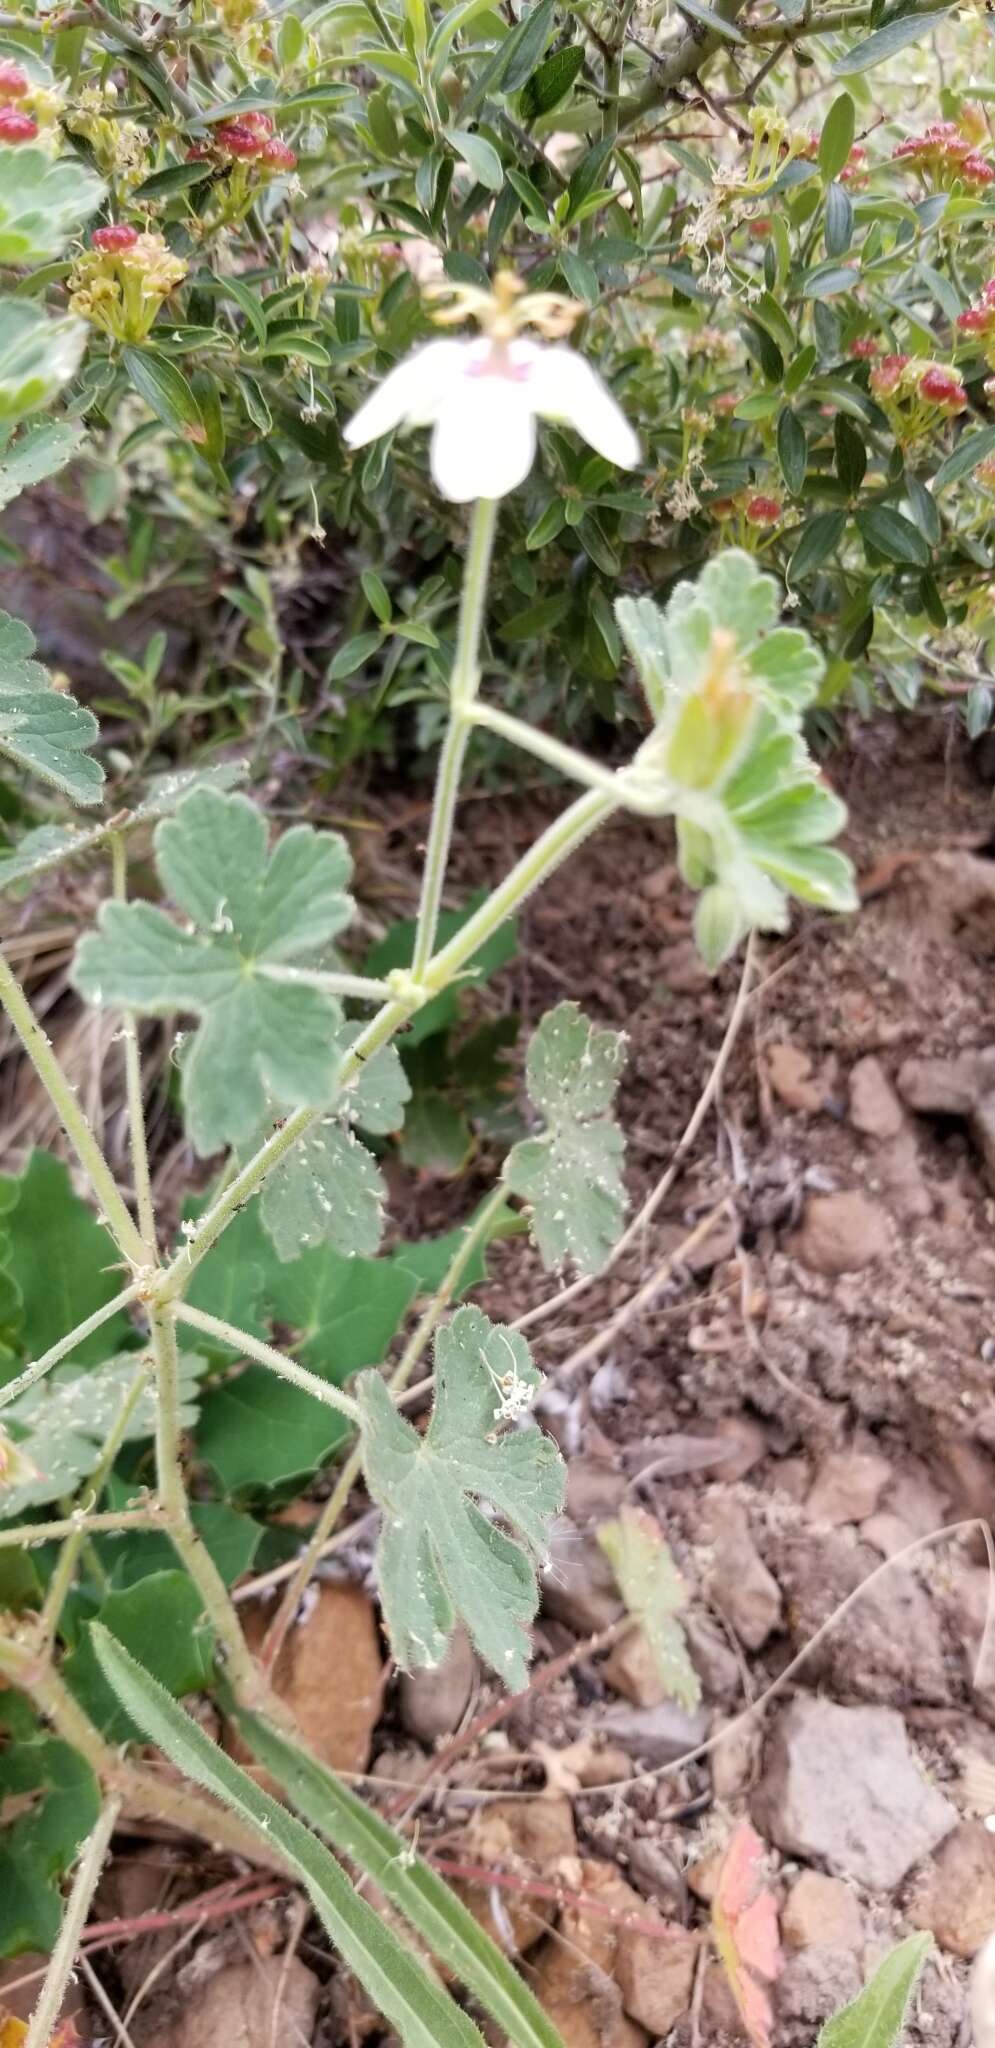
(463, 689)
(476, 1233)
(62, 1096)
(276, 1361)
(60, 1969)
(133, 1082)
(29, 1533)
(65, 1570)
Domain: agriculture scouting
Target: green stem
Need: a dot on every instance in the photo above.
(133, 1080)
(44, 1364)
(29, 1533)
(60, 1969)
(79, 1534)
(463, 688)
(613, 72)
(568, 760)
(358, 985)
(62, 1096)
(252, 1347)
(475, 1234)
(172, 1493)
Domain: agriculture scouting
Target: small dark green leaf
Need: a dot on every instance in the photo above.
(525, 46)
(551, 83)
(176, 178)
(836, 139)
(851, 455)
(480, 157)
(166, 392)
(161, 1620)
(924, 510)
(839, 220)
(352, 654)
(818, 540)
(892, 535)
(970, 450)
(792, 449)
(886, 42)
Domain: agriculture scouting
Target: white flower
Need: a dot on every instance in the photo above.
(482, 398)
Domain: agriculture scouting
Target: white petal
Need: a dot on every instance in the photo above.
(563, 386)
(410, 392)
(484, 442)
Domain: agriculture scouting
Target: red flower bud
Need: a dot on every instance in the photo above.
(762, 511)
(279, 155)
(942, 388)
(760, 228)
(236, 138)
(864, 346)
(976, 320)
(977, 169)
(14, 80)
(111, 240)
(260, 123)
(198, 152)
(15, 127)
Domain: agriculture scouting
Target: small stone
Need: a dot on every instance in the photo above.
(431, 1704)
(841, 1233)
(578, 1584)
(531, 1836)
(240, 2004)
(887, 1533)
(717, 1665)
(605, 1767)
(898, 1169)
(970, 1598)
(821, 1912)
(816, 1982)
(747, 1441)
(735, 1759)
(739, 1584)
(955, 1898)
(631, 1669)
(653, 1735)
(789, 1071)
(967, 1475)
(875, 1109)
(656, 1975)
(841, 1784)
(704, 1876)
(848, 1487)
(965, 1087)
(657, 1872)
(913, 1496)
(330, 1671)
(888, 1647)
(574, 1976)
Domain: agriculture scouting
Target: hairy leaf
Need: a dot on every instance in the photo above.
(572, 1175)
(43, 729)
(328, 1190)
(41, 203)
(250, 910)
(38, 355)
(654, 1592)
(440, 1559)
(876, 2019)
(39, 452)
(63, 1421)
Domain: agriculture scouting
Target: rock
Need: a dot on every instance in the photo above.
(898, 1169)
(886, 1533)
(739, 1584)
(747, 1441)
(631, 1669)
(534, 1836)
(658, 1872)
(240, 2004)
(847, 1487)
(789, 1071)
(955, 1898)
(841, 1784)
(965, 1087)
(704, 1875)
(653, 1735)
(841, 1233)
(720, 2018)
(574, 1976)
(913, 1496)
(875, 1109)
(578, 1584)
(716, 1664)
(595, 1489)
(735, 1759)
(821, 1912)
(431, 1704)
(330, 1671)
(816, 1982)
(888, 1647)
(604, 1767)
(967, 1475)
(970, 1597)
(656, 1975)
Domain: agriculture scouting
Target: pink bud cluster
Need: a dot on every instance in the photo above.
(945, 156)
(249, 139)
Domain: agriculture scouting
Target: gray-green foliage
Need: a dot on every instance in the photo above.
(440, 1558)
(62, 1423)
(571, 1175)
(38, 356)
(43, 729)
(728, 688)
(876, 2018)
(329, 1190)
(41, 203)
(259, 1040)
(40, 451)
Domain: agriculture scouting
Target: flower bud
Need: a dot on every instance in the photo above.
(236, 138)
(14, 80)
(16, 127)
(113, 238)
(278, 155)
(761, 511)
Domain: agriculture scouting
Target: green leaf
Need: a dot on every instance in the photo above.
(551, 82)
(352, 655)
(851, 454)
(445, 1925)
(166, 392)
(839, 221)
(230, 1539)
(257, 1434)
(410, 1999)
(886, 42)
(64, 1420)
(572, 1175)
(480, 157)
(437, 1137)
(819, 538)
(970, 450)
(79, 1272)
(376, 1097)
(42, 203)
(655, 1593)
(257, 1037)
(893, 536)
(439, 1559)
(328, 1190)
(43, 729)
(525, 45)
(55, 1801)
(836, 140)
(175, 178)
(40, 452)
(38, 355)
(715, 23)
(876, 2019)
(346, 1310)
(792, 449)
(162, 1621)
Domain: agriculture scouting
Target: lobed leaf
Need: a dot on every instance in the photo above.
(572, 1175)
(655, 1594)
(43, 729)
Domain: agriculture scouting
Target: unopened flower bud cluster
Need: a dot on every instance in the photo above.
(29, 110)
(121, 281)
(916, 394)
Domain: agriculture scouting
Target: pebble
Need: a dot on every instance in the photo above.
(888, 1647)
(747, 1442)
(734, 1761)
(717, 1665)
(841, 1784)
(240, 2004)
(656, 1976)
(739, 1584)
(522, 1834)
(789, 1071)
(431, 1704)
(653, 1735)
(821, 1912)
(632, 1670)
(816, 1982)
(955, 1898)
(574, 1976)
(841, 1233)
(965, 1087)
(848, 1487)
(875, 1109)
